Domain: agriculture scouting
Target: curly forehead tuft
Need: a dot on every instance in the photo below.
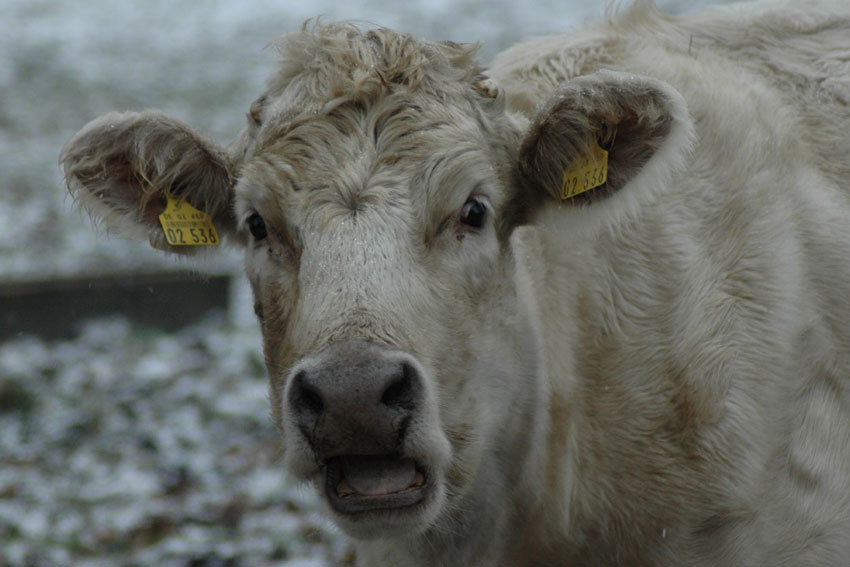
(341, 60)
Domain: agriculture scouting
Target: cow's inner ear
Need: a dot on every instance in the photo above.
(125, 167)
(629, 117)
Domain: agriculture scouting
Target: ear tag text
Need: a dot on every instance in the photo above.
(184, 225)
(585, 173)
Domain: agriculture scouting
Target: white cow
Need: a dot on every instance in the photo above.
(589, 308)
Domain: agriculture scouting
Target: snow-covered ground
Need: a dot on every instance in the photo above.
(127, 446)
(130, 447)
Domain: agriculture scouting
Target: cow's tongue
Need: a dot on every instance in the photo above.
(377, 475)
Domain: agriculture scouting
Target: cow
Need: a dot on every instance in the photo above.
(589, 305)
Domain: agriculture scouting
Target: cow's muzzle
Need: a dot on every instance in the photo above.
(365, 414)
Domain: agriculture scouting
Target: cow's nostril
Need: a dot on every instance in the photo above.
(306, 396)
(312, 401)
(401, 393)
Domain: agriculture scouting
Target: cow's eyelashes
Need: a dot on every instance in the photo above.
(257, 226)
(473, 213)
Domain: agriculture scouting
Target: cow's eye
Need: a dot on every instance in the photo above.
(257, 226)
(474, 213)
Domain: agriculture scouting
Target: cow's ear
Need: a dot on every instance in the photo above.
(641, 123)
(122, 168)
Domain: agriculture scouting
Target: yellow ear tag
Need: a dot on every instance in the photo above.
(184, 225)
(585, 173)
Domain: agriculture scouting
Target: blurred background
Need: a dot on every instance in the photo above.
(134, 424)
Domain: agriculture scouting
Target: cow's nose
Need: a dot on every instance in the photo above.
(355, 398)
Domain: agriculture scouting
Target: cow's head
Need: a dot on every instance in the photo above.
(375, 190)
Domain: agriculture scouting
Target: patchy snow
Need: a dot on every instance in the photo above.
(127, 446)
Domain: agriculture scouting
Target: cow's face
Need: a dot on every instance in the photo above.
(374, 252)
(375, 191)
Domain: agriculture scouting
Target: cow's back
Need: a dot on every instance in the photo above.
(767, 85)
(724, 300)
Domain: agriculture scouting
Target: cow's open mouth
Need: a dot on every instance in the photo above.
(365, 483)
